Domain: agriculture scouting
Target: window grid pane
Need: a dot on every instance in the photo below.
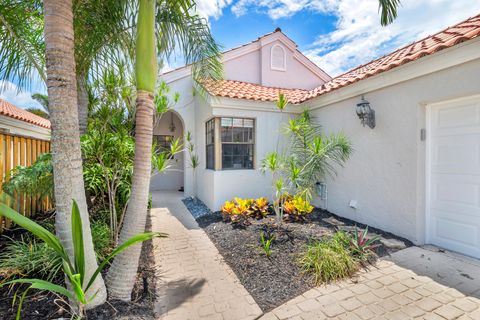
(210, 144)
(237, 143)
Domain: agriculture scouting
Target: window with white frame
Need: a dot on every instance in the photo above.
(235, 145)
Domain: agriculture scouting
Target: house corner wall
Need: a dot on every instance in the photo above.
(386, 172)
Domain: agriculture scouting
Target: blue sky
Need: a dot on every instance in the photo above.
(335, 34)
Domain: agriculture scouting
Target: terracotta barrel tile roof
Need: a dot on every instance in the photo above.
(466, 30)
(9, 110)
(251, 91)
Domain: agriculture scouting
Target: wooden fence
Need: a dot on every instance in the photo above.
(15, 151)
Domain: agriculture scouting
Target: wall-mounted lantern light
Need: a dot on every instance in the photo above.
(365, 113)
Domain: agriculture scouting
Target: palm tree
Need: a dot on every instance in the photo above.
(100, 33)
(42, 99)
(39, 112)
(67, 158)
(175, 26)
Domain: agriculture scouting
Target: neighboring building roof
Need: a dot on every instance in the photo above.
(451, 36)
(9, 110)
(251, 91)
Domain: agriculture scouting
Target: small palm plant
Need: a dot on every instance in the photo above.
(74, 270)
(194, 161)
(267, 244)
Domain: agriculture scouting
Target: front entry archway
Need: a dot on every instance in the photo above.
(168, 128)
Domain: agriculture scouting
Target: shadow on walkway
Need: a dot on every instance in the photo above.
(175, 293)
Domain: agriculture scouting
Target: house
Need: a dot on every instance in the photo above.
(415, 172)
(19, 122)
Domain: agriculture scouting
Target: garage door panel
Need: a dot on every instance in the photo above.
(449, 152)
(456, 190)
(448, 229)
(459, 115)
(454, 176)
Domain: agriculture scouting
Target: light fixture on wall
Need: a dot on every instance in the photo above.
(172, 125)
(365, 113)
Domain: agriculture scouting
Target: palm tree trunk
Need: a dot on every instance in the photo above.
(67, 160)
(82, 95)
(123, 272)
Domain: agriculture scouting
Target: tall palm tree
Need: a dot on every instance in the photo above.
(66, 154)
(163, 25)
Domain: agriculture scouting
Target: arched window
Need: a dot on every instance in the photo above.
(278, 58)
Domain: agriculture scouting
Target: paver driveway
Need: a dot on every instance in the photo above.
(414, 283)
(193, 280)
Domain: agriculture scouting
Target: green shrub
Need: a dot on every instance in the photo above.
(36, 180)
(74, 270)
(328, 260)
(101, 239)
(29, 257)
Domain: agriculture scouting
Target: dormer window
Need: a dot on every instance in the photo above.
(278, 58)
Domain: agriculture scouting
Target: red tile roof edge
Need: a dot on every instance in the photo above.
(449, 37)
(9, 110)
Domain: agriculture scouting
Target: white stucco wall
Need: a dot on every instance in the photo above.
(296, 75)
(249, 183)
(386, 173)
(252, 63)
(185, 111)
(245, 68)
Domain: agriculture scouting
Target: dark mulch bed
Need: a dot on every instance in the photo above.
(45, 306)
(275, 280)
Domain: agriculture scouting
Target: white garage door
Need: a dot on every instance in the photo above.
(453, 200)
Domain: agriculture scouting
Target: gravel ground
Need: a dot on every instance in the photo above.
(196, 207)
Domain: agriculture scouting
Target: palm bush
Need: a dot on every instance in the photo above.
(310, 157)
(74, 269)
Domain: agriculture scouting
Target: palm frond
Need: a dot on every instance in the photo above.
(22, 49)
(388, 11)
(178, 29)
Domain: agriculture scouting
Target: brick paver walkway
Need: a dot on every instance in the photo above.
(412, 284)
(193, 280)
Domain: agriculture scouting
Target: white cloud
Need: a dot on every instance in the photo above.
(359, 37)
(211, 8)
(11, 93)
